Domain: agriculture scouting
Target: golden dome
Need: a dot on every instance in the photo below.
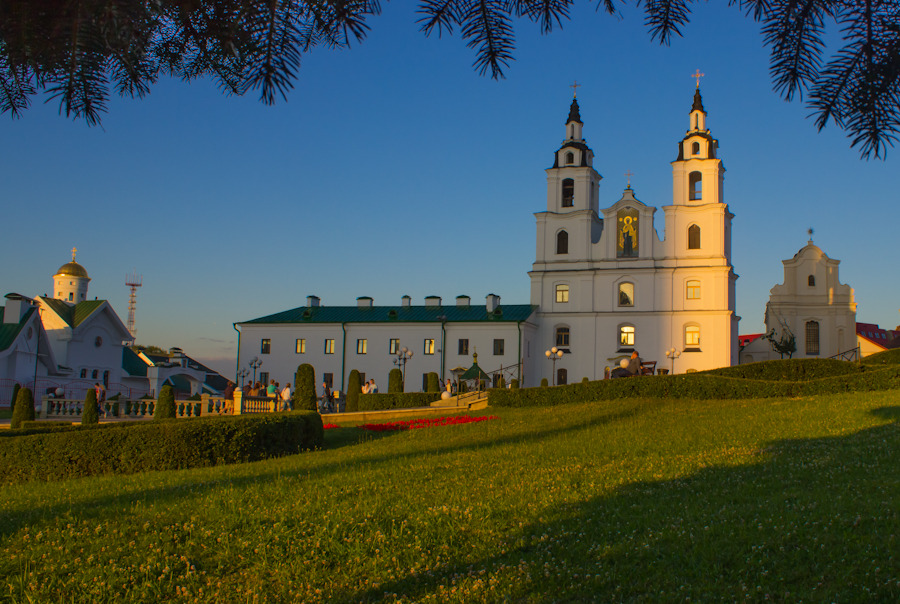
(72, 269)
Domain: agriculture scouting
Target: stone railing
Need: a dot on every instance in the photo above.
(70, 409)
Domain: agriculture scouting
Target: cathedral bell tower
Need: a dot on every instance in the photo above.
(697, 174)
(571, 224)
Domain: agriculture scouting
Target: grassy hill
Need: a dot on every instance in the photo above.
(636, 499)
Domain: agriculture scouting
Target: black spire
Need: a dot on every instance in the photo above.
(574, 115)
(698, 102)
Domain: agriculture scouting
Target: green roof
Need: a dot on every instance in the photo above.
(10, 331)
(133, 363)
(74, 315)
(506, 313)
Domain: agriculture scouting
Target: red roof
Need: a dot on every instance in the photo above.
(746, 339)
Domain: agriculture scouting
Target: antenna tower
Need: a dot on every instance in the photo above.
(133, 281)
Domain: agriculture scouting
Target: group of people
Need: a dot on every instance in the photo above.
(370, 387)
(272, 390)
(633, 367)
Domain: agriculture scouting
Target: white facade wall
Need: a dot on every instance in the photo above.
(282, 361)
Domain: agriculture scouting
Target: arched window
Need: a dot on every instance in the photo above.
(693, 237)
(626, 337)
(562, 293)
(626, 294)
(812, 338)
(695, 184)
(562, 242)
(695, 149)
(570, 158)
(561, 377)
(562, 337)
(568, 193)
(692, 289)
(812, 280)
(692, 337)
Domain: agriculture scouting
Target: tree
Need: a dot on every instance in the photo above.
(76, 51)
(305, 388)
(354, 388)
(786, 344)
(395, 380)
(23, 410)
(89, 412)
(165, 404)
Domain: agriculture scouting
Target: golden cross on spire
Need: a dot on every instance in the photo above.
(810, 232)
(74, 249)
(628, 175)
(697, 76)
(575, 86)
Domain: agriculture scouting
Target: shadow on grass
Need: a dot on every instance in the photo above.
(12, 521)
(813, 519)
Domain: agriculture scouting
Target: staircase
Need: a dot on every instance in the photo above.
(471, 400)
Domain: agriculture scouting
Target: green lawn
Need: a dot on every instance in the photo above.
(631, 500)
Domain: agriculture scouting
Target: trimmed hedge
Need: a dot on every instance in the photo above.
(89, 413)
(695, 386)
(126, 448)
(788, 369)
(23, 408)
(354, 389)
(165, 405)
(395, 381)
(396, 400)
(305, 388)
(888, 357)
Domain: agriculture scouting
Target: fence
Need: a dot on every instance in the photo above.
(65, 389)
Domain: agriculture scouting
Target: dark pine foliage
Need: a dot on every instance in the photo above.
(77, 51)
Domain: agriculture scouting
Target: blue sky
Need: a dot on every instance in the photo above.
(393, 168)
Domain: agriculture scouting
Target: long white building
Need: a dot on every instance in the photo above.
(603, 284)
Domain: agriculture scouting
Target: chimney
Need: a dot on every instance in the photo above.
(432, 301)
(493, 301)
(16, 307)
(364, 302)
(463, 300)
(312, 301)
(406, 301)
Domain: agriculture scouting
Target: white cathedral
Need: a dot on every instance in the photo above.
(603, 284)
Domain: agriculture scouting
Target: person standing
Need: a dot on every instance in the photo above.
(326, 397)
(286, 397)
(373, 387)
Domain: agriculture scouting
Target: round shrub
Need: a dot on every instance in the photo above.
(354, 389)
(544, 383)
(514, 384)
(89, 413)
(23, 411)
(502, 382)
(305, 388)
(434, 382)
(584, 380)
(395, 381)
(165, 406)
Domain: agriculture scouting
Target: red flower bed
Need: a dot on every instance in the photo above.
(329, 426)
(413, 424)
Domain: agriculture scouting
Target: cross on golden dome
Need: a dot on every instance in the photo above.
(575, 86)
(697, 76)
(74, 249)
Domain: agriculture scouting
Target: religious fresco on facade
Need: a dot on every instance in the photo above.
(627, 233)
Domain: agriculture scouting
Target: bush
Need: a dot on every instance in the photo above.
(354, 389)
(886, 357)
(585, 380)
(41, 425)
(195, 397)
(502, 382)
(89, 413)
(433, 382)
(395, 381)
(165, 406)
(126, 448)
(544, 383)
(788, 369)
(697, 386)
(394, 400)
(514, 384)
(23, 411)
(15, 394)
(305, 388)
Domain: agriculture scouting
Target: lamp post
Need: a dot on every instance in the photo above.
(244, 372)
(554, 354)
(255, 363)
(673, 354)
(403, 355)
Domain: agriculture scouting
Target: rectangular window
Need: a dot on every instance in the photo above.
(429, 346)
(498, 347)
(362, 346)
(812, 338)
(562, 293)
(693, 290)
(691, 336)
(263, 379)
(265, 346)
(626, 337)
(464, 347)
(328, 378)
(301, 346)
(329, 346)
(395, 346)
(562, 337)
